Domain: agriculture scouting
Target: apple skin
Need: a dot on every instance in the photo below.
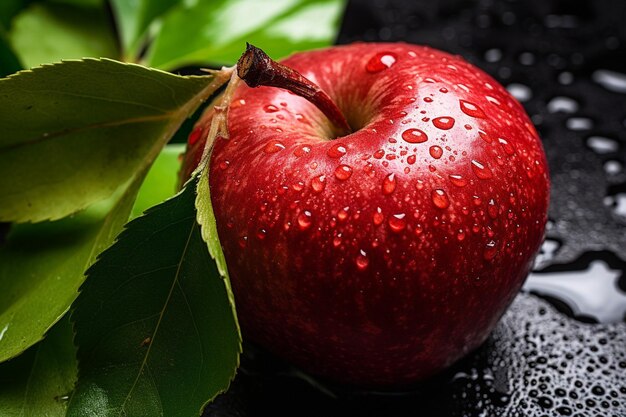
(381, 257)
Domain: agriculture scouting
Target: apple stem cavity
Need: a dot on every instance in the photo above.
(257, 69)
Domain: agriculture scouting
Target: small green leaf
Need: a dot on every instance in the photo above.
(134, 18)
(214, 32)
(50, 32)
(71, 133)
(155, 331)
(38, 382)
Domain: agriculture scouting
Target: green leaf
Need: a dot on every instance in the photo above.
(42, 265)
(38, 383)
(50, 32)
(155, 330)
(214, 32)
(71, 133)
(134, 18)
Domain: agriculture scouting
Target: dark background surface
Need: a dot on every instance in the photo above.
(560, 349)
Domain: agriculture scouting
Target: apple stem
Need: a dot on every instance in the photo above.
(257, 69)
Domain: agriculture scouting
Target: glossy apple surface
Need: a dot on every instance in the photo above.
(380, 257)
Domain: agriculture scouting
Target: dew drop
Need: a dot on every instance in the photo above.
(270, 108)
(379, 154)
(492, 208)
(443, 123)
(482, 171)
(379, 62)
(414, 136)
(224, 165)
(261, 234)
(337, 240)
(411, 159)
(302, 150)
(397, 222)
(436, 151)
(508, 148)
(343, 172)
(484, 136)
(491, 250)
(343, 213)
(428, 99)
(457, 180)
(318, 184)
(243, 241)
(273, 146)
(336, 151)
(419, 185)
(389, 184)
(378, 216)
(304, 220)
(440, 198)
(361, 260)
(471, 109)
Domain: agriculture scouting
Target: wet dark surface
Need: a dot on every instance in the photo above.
(560, 350)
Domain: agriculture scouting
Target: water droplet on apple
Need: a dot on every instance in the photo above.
(389, 184)
(361, 261)
(457, 180)
(443, 123)
(337, 240)
(343, 172)
(492, 208)
(440, 198)
(443, 90)
(343, 213)
(381, 61)
(298, 186)
(460, 235)
(336, 151)
(273, 146)
(379, 154)
(378, 216)
(261, 233)
(243, 241)
(436, 151)
(484, 136)
(411, 159)
(302, 150)
(428, 99)
(491, 249)
(224, 165)
(414, 136)
(482, 171)
(304, 220)
(419, 229)
(471, 109)
(508, 148)
(397, 222)
(270, 108)
(419, 185)
(318, 183)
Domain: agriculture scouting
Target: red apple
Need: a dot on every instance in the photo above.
(385, 255)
